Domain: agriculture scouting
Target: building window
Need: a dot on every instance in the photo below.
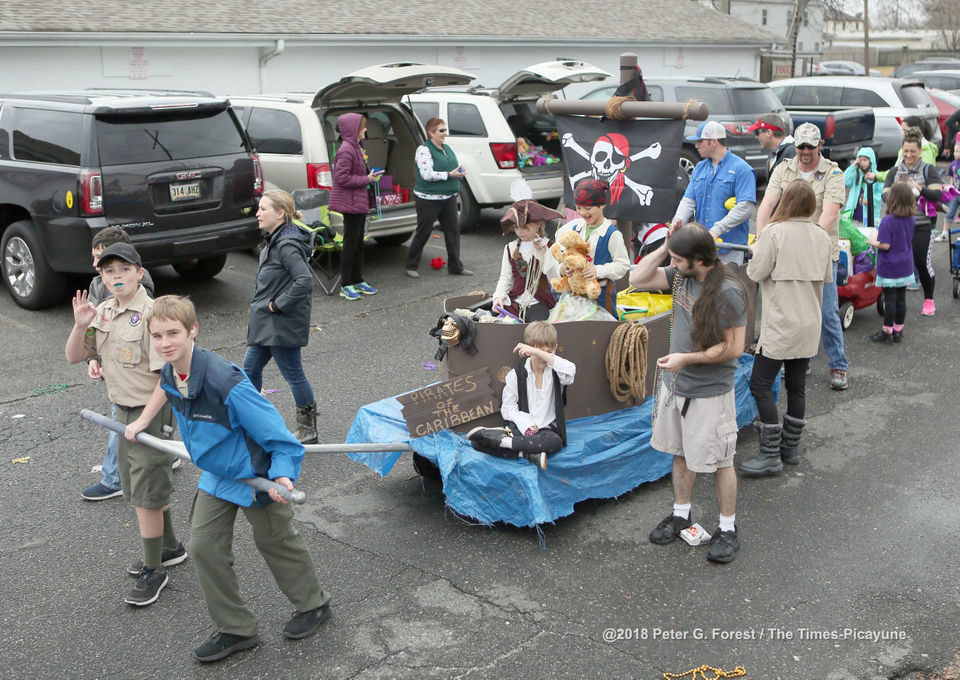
(816, 47)
(763, 17)
(806, 21)
(800, 47)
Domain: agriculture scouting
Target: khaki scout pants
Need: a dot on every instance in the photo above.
(282, 546)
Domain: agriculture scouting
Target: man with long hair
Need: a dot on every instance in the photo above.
(695, 416)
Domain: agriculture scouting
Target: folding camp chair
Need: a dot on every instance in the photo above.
(327, 244)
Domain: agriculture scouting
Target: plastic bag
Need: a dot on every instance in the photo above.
(635, 304)
(858, 242)
(572, 307)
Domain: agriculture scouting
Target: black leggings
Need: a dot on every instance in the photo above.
(894, 306)
(351, 257)
(922, 257)
(428, 212)
(761, 387)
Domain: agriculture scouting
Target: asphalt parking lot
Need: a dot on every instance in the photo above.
(847, 568)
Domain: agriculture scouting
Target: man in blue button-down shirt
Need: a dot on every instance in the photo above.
(720, 176)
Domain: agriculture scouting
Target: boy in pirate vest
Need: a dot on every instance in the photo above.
(115, 331)
(608, 253)
(527, 265)
(532, 401)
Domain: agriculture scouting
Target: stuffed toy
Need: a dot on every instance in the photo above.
(571, 250)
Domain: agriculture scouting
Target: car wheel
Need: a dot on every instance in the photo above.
(468, 212)
(392, 239)
(30, 280)
(202, 268)
(846, 315)
(880, 305)
(425, 468)
(688, 161)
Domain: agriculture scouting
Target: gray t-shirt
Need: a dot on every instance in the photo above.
(703, 380)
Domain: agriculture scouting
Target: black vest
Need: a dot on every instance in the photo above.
(559, 399)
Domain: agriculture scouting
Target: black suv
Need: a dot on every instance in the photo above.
(174, 169)
(734, 102)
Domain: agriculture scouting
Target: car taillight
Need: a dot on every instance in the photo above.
(319, 176)
(505, 154)
(257, 175)
(91, 192)
(829, 127)
(736, 128)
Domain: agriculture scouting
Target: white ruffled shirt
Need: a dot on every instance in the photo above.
(540, 400)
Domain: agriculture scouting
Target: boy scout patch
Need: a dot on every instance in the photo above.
(126, 355)
(135, 319)
(91, 331)
(820, 176)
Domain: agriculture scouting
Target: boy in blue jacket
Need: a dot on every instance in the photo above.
(232, 433)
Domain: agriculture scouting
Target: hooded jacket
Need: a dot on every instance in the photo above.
(853, 178)
(284, 278)
(351, 191)
(230, 430)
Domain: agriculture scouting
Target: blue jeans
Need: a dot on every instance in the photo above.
(111, 475)
(290, 365)
(952, 211)
(831, 332)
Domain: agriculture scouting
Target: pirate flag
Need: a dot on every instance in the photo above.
(639, 159)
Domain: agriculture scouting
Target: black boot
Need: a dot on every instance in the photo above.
(307, 424)
(768, 462)
(792, 427)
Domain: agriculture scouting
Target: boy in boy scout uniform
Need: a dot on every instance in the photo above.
(115, 331)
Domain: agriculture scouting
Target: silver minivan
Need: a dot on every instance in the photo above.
(296, 136)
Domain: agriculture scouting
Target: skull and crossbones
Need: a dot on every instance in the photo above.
(610, 160)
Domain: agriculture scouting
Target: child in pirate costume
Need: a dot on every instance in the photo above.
(532, 403)
(608, 253)
(527, 265)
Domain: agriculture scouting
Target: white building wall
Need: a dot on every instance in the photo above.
(236, 70)
(810, 35)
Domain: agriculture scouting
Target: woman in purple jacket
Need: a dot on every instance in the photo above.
(353, 198)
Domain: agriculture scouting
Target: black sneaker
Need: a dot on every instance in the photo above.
(221, 645)
(489, 437)
(723, 545)
(169, 557)
(147, 588)
(669, 529)
(898, 336)
(538, 459)
(882, 337)
(304, 624)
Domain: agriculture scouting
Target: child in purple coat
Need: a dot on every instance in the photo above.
(894, 244)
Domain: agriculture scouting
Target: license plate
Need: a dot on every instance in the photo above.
(181, 192)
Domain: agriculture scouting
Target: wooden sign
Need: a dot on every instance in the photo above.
(449, 404)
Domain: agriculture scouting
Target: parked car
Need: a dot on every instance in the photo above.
(485, 125)
(892, 99)
(945, 79)
(841, 68)
(296, 136)
(931, 64)
(736, 103)
(844, 130)
(947, 103)
(174, 169)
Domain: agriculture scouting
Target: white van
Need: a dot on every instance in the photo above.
(484, 124)
(296, 135)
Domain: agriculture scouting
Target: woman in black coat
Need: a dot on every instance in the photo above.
(280, 310)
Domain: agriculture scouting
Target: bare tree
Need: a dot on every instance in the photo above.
(944, 16)
(901, 14)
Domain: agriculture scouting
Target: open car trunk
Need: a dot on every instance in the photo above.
(518, 97)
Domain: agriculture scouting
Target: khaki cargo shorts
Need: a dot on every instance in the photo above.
(145, 473)
(706, 437)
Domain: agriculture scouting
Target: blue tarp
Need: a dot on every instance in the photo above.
(605, 456)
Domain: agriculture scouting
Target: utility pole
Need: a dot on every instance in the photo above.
(866, 36)
(799, 7)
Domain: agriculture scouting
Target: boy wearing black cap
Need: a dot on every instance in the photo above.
(609, 260)
(115, 331)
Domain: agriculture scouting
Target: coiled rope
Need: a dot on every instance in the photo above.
(614, 110)
(626, 362)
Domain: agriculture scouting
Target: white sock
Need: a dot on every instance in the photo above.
(682, 510)
(728, 523)
(506, 443)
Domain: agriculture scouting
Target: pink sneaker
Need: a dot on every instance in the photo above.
(929, 308)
